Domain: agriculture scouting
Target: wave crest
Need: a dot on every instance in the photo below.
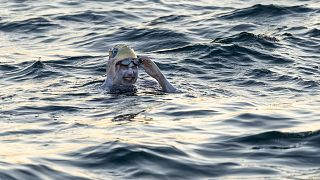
(264, 11)
(33, 25)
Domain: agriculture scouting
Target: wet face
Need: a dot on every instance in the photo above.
(126, 74)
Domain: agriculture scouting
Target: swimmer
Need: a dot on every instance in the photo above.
(122, 70)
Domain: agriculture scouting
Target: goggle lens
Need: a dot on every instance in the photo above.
(127, 62)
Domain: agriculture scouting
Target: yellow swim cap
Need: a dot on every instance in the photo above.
(122, 51)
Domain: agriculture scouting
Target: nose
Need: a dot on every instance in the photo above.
(130, 71)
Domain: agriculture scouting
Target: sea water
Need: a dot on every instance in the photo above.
(248, 72)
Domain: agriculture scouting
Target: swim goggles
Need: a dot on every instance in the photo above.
(127, 62)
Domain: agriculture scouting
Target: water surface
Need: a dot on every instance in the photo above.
(248, 70)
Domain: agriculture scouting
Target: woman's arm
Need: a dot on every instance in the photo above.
(153, 70)
(111, 73)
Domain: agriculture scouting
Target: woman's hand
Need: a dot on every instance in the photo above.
(150, 67)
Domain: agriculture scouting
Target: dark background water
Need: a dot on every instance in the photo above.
(248, 72)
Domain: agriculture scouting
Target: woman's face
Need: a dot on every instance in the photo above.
(126, 74)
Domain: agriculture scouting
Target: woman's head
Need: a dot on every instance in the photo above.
(126, 68)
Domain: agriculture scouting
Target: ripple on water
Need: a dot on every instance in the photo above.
(32, 25)
(257, 121)
(250, 39)
(290, 151)
(37, 70)
(263, 11)
(314, 33)
(26, 132)
(167, 19)
(36, 172)
(143, 161)
(133, 35)
(98, 17)
(276, 137)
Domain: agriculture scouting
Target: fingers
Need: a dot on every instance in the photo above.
(146, 61)
(144, 58)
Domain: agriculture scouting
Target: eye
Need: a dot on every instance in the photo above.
(125, 62)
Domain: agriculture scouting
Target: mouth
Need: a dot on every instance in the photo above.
(129, 79)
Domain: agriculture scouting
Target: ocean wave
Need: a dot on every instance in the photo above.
(308, 83)
(71, 60)
(128, 157)
(250, 39)
(50, 108)
(87, 16)
(235, 52)
(243, 27)
(143, 161)
(190, 113)
(34, 171)
(304, 44)
(285, 89)
(154, 34)
(251, 82)
(74, 65)
(192, 48)
(265, 11)
(286, 149)
(7, 67)
(167, 19)
(36, 70)
(239, 54)
(313, 33)
(269, 75)
(153, 39)
(260, 73)
(33, 25)
(98, 17)
(281, 140)
(259, 120)
(311, 70)
(25, 132)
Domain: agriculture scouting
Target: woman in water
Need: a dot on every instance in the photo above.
(122, 70)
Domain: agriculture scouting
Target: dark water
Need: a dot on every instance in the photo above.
(249, 74)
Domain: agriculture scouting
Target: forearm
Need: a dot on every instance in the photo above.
(111, 69)
(153, 70)
(166, 85)
(110, 74)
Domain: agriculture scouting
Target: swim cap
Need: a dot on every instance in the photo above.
(122, 51)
